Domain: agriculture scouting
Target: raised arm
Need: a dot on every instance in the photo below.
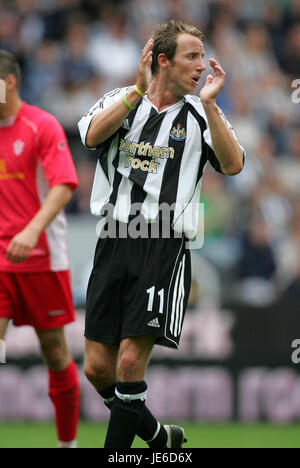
(107, 122)
(225, 146)
(23, 242)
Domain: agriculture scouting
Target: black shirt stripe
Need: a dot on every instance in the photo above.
(148, 135)
(170, 180)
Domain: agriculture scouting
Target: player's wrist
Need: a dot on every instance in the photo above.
(208, 101)
(131, 99)
(34, 229)
(129, 106)
(139, 90)
(210, 106)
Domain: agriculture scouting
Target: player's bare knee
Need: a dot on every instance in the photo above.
(56, 356)
(54, 350)
(128, 368)
(99, 376)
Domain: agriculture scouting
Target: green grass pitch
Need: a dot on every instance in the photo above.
(91, 435)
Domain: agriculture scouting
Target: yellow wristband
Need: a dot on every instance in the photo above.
(129, 107)
(138, 91)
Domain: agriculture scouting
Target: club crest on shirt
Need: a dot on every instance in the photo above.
(178, 133)
(18, 147)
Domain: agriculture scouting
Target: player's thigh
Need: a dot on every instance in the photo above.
(133, 358)
(100, 361)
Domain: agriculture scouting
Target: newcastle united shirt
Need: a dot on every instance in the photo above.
(154, 159)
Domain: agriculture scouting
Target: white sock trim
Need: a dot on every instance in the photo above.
(156, 432)
(71, 444)
(127, 398)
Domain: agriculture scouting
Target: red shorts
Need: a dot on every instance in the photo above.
(42, 300)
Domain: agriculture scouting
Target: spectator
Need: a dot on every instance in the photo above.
(290, 61)
(289, 167)
(43, 73)
(257, 265)
(292, 291)
(288, 254)
(76, 67)
(112, 51)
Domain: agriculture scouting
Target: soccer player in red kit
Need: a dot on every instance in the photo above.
(37, 176)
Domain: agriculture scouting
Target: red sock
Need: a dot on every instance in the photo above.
(64, 393)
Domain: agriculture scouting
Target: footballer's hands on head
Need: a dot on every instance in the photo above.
(144, 76)
(214, 84)
(21, 245)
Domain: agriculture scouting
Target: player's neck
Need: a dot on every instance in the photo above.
(161, 95)
(10, 108)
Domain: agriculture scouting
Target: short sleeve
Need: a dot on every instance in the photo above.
(210, 152)
(106, 101)
(54, 154)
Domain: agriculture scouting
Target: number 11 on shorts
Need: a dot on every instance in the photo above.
(151, 292)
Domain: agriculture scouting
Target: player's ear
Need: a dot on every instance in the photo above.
(162, 61)
(11, 82)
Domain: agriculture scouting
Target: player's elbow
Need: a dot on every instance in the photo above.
(69, 193)
(232, 170)
(90, 139)
(65, 193)
(235, 167)
(94, 137)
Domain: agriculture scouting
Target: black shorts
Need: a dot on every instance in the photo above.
(138, 287)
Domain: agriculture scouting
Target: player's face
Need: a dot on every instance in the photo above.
(187, 65)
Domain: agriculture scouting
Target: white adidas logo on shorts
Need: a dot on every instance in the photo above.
(154, 323)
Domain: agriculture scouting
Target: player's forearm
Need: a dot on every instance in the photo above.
(57, 197)
(225, 146)
(107, 122)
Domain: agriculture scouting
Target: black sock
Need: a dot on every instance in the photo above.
(108, 395)
(126, 411)
(149, 429)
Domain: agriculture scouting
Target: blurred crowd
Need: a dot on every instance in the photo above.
(73, 51)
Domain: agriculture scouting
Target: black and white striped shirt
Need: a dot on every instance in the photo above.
(154, 158)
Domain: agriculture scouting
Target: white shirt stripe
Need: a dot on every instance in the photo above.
(182, 294)
(175, 301)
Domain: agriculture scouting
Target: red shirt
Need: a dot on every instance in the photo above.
(34, 155)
